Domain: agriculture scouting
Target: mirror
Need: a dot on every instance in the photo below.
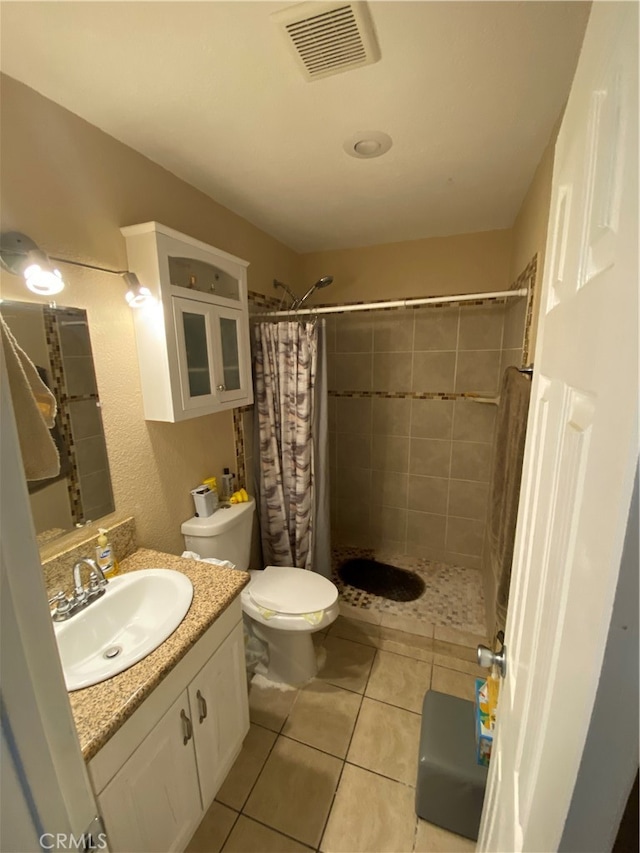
(58, 343)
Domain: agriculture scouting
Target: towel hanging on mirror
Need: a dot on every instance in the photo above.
(35, 410)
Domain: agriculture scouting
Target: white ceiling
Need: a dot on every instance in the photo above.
(468, 91)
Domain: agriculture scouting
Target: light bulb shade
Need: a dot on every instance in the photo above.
(40, 276)
(137, 295)
(21, 256)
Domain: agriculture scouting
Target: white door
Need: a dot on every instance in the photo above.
(45, 787)
(581, 452)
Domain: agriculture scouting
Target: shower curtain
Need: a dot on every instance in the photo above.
(292, 469)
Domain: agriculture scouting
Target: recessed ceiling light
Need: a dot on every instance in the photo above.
(368, 144)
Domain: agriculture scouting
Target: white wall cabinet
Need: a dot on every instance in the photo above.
(165, 766)
(193, 345)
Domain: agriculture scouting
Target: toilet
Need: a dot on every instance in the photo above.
(284, 605)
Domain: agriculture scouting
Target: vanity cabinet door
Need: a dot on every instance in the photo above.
(153, 802)
(220, 707)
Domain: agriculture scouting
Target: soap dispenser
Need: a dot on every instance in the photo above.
(105, 557)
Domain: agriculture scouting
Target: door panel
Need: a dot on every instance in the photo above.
(220, 713)
(153, 802)
(195, 339)
(230, 355)
(581, 451)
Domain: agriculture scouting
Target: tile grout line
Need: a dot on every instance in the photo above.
(246, 799)
(273, 829)
(344, 761)
(227, 836)
(264, 764)
(391, 640)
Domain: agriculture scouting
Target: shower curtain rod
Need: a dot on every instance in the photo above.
(398, 303)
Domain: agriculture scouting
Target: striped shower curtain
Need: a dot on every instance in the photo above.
(286, 374)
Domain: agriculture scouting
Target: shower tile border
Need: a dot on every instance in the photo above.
(239, 445)
(59, 390)
(410, 395)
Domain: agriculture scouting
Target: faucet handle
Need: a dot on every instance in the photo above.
(97, 582)
(62, 606)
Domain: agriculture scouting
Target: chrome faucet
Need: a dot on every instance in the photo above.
(82, 596)
(97, 579)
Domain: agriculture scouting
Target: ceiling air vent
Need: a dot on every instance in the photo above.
(329, 38)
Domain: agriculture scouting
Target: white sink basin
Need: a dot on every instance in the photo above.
(138, 611)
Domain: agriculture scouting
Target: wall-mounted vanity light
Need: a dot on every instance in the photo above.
(21, 256)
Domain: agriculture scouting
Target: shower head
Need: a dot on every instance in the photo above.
(325, 281)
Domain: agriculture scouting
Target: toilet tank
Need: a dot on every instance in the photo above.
(225, 535)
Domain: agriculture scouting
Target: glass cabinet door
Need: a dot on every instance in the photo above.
(195, 352)
(231, 372)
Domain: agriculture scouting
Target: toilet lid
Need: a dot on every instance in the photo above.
(290, 590)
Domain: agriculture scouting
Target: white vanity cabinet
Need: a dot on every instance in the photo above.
(193, 344)
(161, 771)
(153, 802)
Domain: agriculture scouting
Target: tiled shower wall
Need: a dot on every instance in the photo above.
(410, 452)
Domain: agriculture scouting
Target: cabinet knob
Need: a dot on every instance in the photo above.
(203, 706)
(187, 727)
(222, 387)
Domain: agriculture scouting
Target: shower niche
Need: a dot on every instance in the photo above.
(193, 344)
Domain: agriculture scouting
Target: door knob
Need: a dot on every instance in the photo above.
(488, 658)
(222, 387)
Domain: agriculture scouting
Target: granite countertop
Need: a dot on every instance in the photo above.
(100, 710)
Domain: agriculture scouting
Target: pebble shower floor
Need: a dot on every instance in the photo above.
(453, 596)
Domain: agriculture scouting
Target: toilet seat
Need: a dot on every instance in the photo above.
(281, 619)
(291, 591)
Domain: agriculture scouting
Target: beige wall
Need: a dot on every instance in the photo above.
(530, 226)
(70, 187)
(462, 263)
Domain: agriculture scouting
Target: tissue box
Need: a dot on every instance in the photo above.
(485, 723)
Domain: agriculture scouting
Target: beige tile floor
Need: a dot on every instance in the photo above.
(332, 767)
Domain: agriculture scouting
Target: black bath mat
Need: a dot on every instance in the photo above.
(382, 579)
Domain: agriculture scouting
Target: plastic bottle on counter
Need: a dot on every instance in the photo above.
(105, 556)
